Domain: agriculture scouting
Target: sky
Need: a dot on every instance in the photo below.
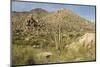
(87, 12)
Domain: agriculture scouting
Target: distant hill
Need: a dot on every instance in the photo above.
(67, 19)
(19, 18)
(38, 13)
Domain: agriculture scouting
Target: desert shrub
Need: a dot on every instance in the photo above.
(23, 55)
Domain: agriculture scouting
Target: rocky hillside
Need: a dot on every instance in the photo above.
(68, 21)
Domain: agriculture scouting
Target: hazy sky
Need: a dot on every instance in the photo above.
(87, 12)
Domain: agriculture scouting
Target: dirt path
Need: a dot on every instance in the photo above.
(87, 40)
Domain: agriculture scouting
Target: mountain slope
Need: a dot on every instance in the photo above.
(68, 20)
